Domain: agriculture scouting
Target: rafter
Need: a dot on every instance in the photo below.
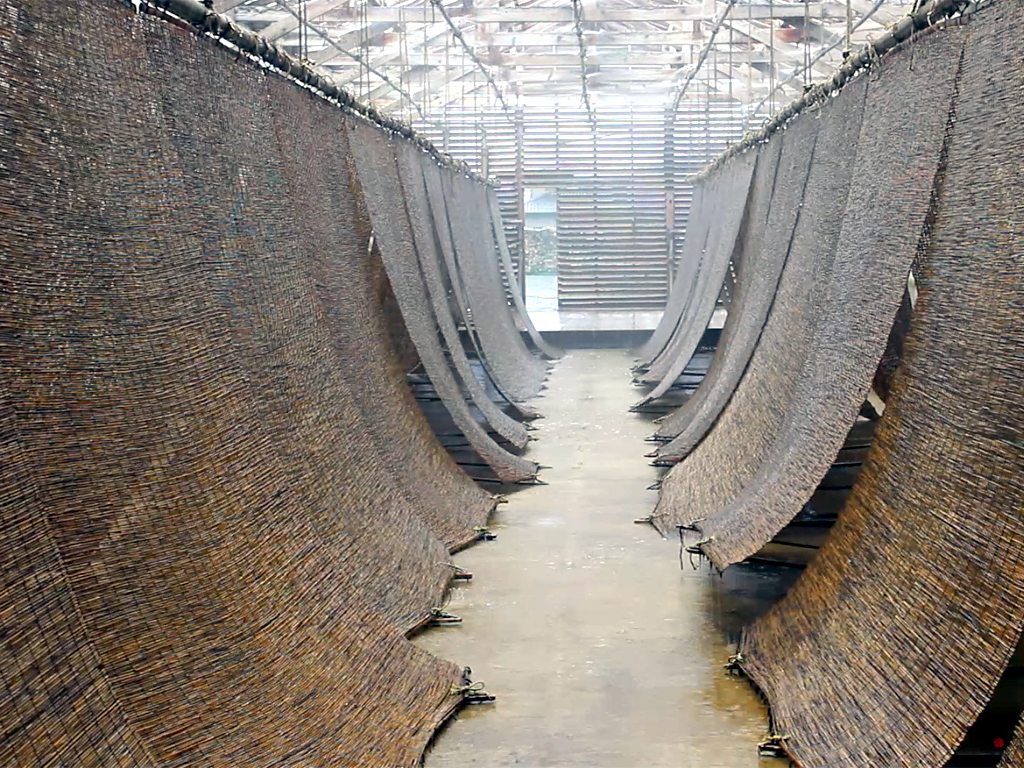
(703, 53)
(532, 14)
(289, 23)
(624, 50)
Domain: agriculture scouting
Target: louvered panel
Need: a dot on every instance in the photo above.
(623, 200)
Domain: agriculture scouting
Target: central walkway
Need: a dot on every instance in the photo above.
(601, 650)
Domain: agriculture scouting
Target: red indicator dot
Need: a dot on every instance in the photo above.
(1000, 743)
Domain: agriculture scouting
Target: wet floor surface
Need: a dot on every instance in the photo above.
(602, 651)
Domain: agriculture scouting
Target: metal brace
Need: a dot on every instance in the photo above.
(734, 665)
(772, 747)
(484, 534)
(439, 617)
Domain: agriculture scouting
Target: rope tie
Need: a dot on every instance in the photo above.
(734, 665)
(697, 548)
(465, 690)
(874, 60)
(772, 746)
(458, 573)
(484, 534)
(441, 616)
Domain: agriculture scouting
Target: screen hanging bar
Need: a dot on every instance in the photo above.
(196, 16)
(929, 16)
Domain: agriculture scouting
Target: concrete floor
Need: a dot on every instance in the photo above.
(542, 304)
(602, 651)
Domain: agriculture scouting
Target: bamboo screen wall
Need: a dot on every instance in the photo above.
(623, 202)
(221, 509)
(1014, 755)
(891, 643)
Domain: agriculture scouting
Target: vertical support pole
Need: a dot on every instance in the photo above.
(669, 170)
(807, 44)
(771, 57)
(595, 209)
(750, 78)
(485, 157)
(849, 29)
(521, 203)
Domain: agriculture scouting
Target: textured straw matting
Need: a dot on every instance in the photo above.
(733, 188)
(891, 643)
(893, 354)
(897, 159)
(760, 266)
(506, 264)
(411, 165)
(352, 288)
(698, 226)
(240, 553)
(57, 707)
(458, 300)
(1013, 757)
(716, 470)
(519, 373)
(384, 196)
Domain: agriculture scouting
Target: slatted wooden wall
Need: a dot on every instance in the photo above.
(623, 200)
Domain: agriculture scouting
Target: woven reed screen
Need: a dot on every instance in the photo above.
(498, 229)
(698, 227)
(350, 288)
(412, 169)
(1013, 757)
(891, 643)
(519, 373)
(457, 295)
(219, 443)
(897, 159)
(759, 272)
(58, 704)
(734, 185)
(385, 198)
(692, 268)
(715, 471)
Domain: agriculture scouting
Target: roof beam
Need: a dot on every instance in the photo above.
(668, 63)
(290, 23)
(596, 37)
(347, 40)
(534, 14)
(784, 53)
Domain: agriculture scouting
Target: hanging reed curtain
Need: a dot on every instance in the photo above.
(412, 169)
(1013, 757)
(759, 272)
(498, 230)
(891, 643)
(898, 156)
(720, 467)
(457, 295)
(219, 477)
(698, 228)
(518, 372)
(353, 287)
(715, 472)
(734, 185)
(382, 191)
